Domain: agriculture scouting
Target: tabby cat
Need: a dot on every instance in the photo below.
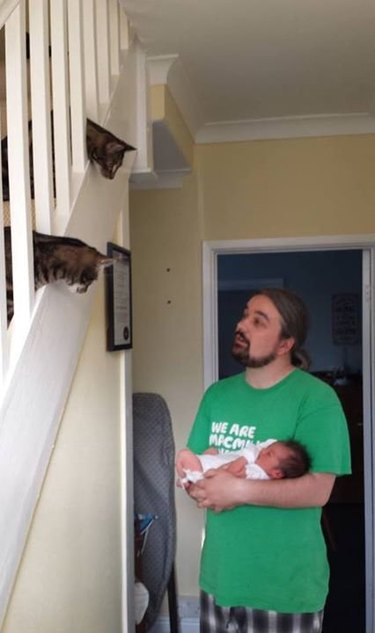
(102, 147)
(105, 149)
(57, 258)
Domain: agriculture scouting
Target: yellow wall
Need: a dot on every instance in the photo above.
(263, 189)
(167, 355)
(70, 576)
(288, 188)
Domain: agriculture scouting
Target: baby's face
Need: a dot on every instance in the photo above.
(270, 458)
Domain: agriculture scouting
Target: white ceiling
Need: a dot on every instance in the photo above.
(265, 65)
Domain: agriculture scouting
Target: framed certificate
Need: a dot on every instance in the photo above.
(119, 299)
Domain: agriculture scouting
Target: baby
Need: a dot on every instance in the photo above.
(271, 459)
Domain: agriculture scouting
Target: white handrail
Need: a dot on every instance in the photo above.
(77, 43)
(6, 8)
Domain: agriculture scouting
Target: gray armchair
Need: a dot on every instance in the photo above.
(154, 457)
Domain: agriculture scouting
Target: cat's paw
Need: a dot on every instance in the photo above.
(77, 288)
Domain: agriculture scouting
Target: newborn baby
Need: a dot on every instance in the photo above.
(271, 459)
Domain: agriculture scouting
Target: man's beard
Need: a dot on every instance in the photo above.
(244, 357)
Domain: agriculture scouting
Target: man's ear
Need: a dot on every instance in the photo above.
(286, 345)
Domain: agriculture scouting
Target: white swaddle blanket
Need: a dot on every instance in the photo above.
(208, 461)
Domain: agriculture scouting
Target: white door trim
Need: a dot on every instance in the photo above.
(365, 243)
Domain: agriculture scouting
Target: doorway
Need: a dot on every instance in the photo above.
(333, 274)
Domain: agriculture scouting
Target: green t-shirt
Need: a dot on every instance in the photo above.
(262, 557)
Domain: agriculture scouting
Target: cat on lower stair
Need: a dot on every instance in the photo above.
(57, 258)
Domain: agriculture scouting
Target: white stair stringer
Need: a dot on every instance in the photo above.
(36, 392)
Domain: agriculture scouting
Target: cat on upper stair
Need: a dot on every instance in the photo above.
(103, 148)
(57, 258)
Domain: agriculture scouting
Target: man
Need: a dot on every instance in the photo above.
(264, 566)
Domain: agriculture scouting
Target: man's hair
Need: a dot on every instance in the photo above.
(294, 321)
(298, 462)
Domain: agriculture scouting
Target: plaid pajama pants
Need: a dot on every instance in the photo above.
(215, 619)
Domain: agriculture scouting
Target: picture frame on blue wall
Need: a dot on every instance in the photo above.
(119, 299)
(346, 318)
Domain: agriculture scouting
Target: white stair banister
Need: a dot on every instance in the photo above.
(114, 30)
(19, 177)
(77, 86)
(4, 344)
(60, 102)
(91, 67)
(124, 32)
(103, 57)
(41, 114)
(4, 339)
(38, 378)
(6, 8)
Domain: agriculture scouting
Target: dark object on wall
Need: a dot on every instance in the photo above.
(119, 299)
(154, 492)
(346, 319)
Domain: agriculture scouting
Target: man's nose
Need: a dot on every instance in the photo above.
(243, 329)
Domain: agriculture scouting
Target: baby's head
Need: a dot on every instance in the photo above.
(285, 459)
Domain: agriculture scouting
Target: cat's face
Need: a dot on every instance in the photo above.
(110, 159)
(105, 149)
(95, 261)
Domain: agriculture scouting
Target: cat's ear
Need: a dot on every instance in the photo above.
(129, 148)
(119, 146)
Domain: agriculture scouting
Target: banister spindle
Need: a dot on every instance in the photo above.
(77, 82)
(91, 66)
(103, 56)
(114, 32)
(41, 114)
(61, 124)
(4, 345)
(18, 169)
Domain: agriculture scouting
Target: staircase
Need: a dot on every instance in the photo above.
(83, 63)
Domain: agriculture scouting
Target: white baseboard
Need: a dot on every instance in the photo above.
(187, 625)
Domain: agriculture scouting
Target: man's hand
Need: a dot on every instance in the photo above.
(217, 491)
(220, 490)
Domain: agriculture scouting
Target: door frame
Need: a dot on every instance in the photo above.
(365, 243)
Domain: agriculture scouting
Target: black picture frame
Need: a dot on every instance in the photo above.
(119, 299)
(346, 318)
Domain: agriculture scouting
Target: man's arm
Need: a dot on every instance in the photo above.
(220, 490)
